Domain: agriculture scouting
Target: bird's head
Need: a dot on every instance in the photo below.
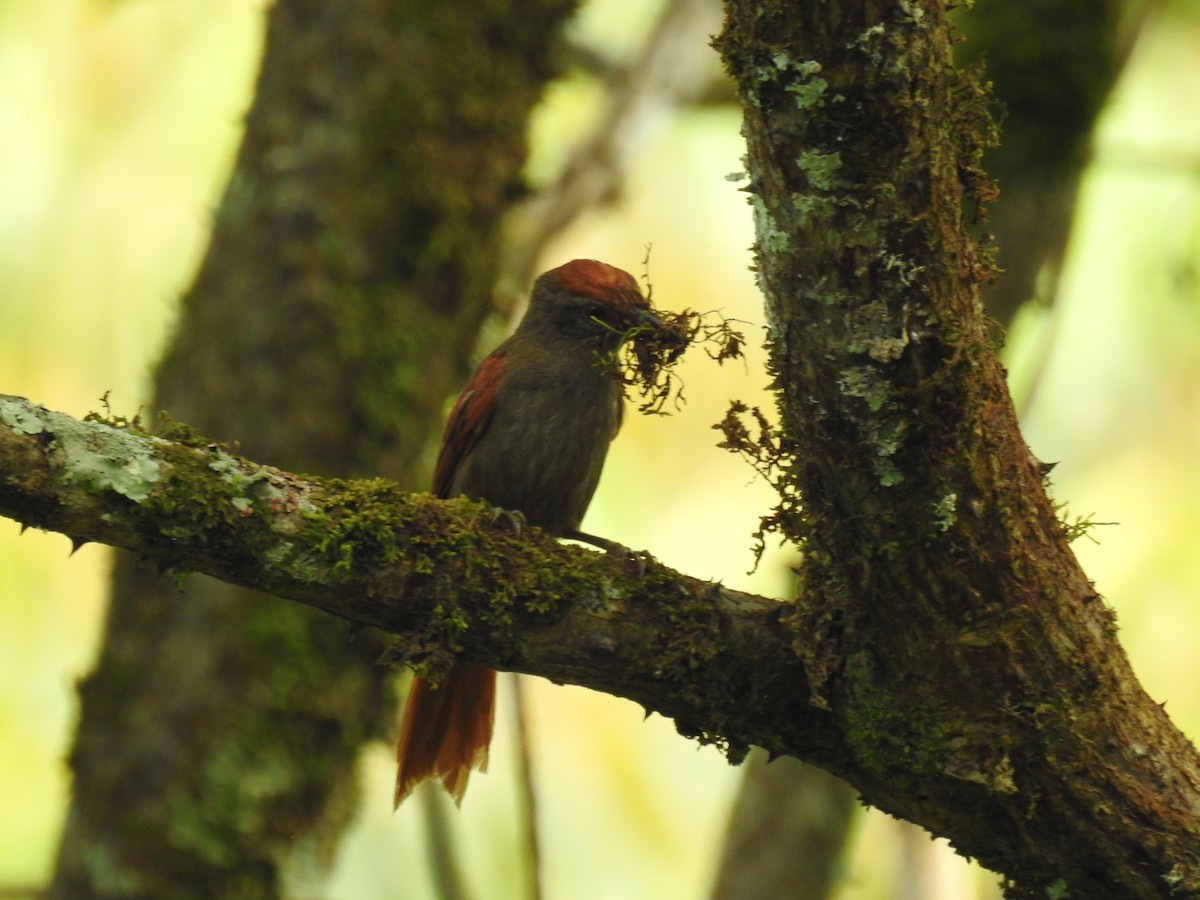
(590, 302)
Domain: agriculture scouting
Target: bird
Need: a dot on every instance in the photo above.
(528, 434)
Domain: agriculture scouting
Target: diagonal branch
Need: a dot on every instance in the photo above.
(447, 577)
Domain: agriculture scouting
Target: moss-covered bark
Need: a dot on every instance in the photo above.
(448, 577)
(973, 671)
(349, 269)
(1050, 67)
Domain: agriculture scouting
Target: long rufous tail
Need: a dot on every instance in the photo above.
(446, 730)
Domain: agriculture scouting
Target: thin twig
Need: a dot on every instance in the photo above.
(675, 66)
(444, 868)
(526, 791)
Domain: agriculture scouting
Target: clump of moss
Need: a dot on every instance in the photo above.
(171, 429)
(651, 351)
(654, 351)
(887, 734)
(747, 431)
(113, 420)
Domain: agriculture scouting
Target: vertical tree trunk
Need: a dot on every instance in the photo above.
(787, 834)
(1052, 67)
(349, 269)
(937, 579)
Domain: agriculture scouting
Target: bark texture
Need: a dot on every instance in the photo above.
(447, 577)
(350, 267)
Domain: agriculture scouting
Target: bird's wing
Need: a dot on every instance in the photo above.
(468, 419)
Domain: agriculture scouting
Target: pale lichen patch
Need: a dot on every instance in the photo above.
(20, 418)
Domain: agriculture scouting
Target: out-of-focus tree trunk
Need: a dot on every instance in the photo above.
(787, 833)
(946, 654)
(1052, 67)
(349, 270)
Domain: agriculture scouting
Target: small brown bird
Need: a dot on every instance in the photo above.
(528, 433)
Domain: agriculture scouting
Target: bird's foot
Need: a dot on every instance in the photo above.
(641, 558)
(514, 517)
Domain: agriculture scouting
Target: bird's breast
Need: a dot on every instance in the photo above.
(543, 450)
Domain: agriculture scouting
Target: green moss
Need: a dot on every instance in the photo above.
(811, 210)
(945, 512)
(821, 168)
(889, 475)
(171, 429)
(887, 735)
(1075, 527)
(188, 502)
(353, 525)
(358, 525)
(800, 78)
(866, 383)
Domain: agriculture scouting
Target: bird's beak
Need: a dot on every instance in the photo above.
(647, 318)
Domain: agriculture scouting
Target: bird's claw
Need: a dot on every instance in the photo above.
(641, 558)
(514, 517)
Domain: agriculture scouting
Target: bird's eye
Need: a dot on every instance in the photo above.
(600, 312)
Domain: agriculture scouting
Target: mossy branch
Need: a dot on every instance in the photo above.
(448, 578)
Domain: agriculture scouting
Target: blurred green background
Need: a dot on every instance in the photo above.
(118, 121)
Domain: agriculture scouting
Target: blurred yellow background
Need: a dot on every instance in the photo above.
(119, 121)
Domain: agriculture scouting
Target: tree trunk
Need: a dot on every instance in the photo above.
(787, 834)
(1051, 67)
(972, 669)
(350, 268)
